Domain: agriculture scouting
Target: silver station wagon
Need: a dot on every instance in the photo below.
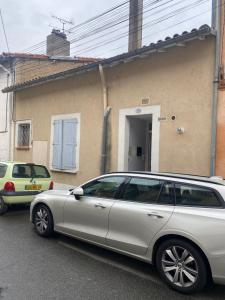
(174, 221)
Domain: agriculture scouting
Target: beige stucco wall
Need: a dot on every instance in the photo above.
(179, 80)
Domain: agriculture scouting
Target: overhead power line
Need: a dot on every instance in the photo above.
(153, 22)
(125, 34)
(3, 27)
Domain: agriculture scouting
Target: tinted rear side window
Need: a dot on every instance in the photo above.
(188, 195)
(167, 195)
(29, 171)
(3, 169)
(40, 172)
(142, 190)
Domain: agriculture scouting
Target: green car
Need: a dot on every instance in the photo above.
(20, 182)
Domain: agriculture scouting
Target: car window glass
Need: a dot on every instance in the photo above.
(103, 187)
(22, 171)
(30, 171)
(195, 196)
(40, 172)
(3, 169)
(142, 190)
(167, 195)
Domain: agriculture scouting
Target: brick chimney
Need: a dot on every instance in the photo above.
(57, 44)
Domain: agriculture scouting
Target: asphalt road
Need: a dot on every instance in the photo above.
(32, 267)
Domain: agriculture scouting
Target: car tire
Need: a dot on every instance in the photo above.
(182, 266)
(3, 207)
(43, 221)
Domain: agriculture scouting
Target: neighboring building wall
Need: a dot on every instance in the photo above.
(30, 69)
(220, 147)
(4, 117)
(179, 81)
(220, 139)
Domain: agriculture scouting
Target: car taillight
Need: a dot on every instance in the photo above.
(9, 187)
(51, 185)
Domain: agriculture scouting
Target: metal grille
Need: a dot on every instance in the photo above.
(24, 135)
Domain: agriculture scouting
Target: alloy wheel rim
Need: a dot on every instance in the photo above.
(41, 220)
(179, 266)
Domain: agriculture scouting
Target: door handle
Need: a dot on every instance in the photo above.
(154, 214)
(100, 205)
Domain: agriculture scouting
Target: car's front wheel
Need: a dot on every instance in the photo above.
(3, 206)
(182, 266)
(43, 221)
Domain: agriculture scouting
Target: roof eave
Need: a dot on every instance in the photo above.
(177, 40)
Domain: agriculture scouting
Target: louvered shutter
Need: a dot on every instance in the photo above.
(57, 145)
(69, 144)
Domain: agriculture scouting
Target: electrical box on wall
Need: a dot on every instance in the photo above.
(139, 151)
(145, 101)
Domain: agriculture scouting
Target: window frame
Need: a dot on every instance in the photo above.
(118, 191)
(32, 171)
(18, 123)
(126, 183)
(77, 152)
(4, 165)
(217, 194)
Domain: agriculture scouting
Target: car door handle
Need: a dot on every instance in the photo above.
(100, 205)
(154, 214)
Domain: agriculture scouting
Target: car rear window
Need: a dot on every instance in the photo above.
(3, 169)
(188, 195)
(30, 171)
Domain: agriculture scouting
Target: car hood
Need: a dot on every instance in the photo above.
(57, 192)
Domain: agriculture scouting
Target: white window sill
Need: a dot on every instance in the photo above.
(74, 171)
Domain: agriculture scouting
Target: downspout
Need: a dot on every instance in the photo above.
(7, 100)
(216, 25)
(106, 110)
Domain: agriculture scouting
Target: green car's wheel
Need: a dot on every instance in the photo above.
(3, 206)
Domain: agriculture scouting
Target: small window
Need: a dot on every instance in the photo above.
(30, 171)
(143, 190)
(103, 187)
(188, 195)
(23, 134)
(167, 195)
(22, 171)
(40, 172)
(3, 169)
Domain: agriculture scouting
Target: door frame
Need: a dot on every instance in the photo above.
(124, 133)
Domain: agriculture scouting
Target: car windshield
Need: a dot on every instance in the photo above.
(30, 171)
(3, 169)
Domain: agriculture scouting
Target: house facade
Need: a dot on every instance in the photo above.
(145, 110)
(6, 79)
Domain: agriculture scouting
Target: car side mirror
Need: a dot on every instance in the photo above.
(78, 192)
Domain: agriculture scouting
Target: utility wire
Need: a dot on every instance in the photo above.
(174, 25)
(181, 10)
(3, 26)
(154, 22)
(111, 21)
(88, 21)
(82, 38)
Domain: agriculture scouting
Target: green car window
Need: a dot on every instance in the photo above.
(3, 169)
(40, 172)
(30, 171)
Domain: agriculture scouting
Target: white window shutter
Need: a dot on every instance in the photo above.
(57, 145)
(69, 144)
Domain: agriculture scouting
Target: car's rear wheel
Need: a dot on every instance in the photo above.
(43, 221)
(3, 206)
(182, 266)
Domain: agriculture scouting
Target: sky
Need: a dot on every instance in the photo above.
(27, 23)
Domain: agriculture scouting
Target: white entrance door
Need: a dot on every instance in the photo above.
(133, 152)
